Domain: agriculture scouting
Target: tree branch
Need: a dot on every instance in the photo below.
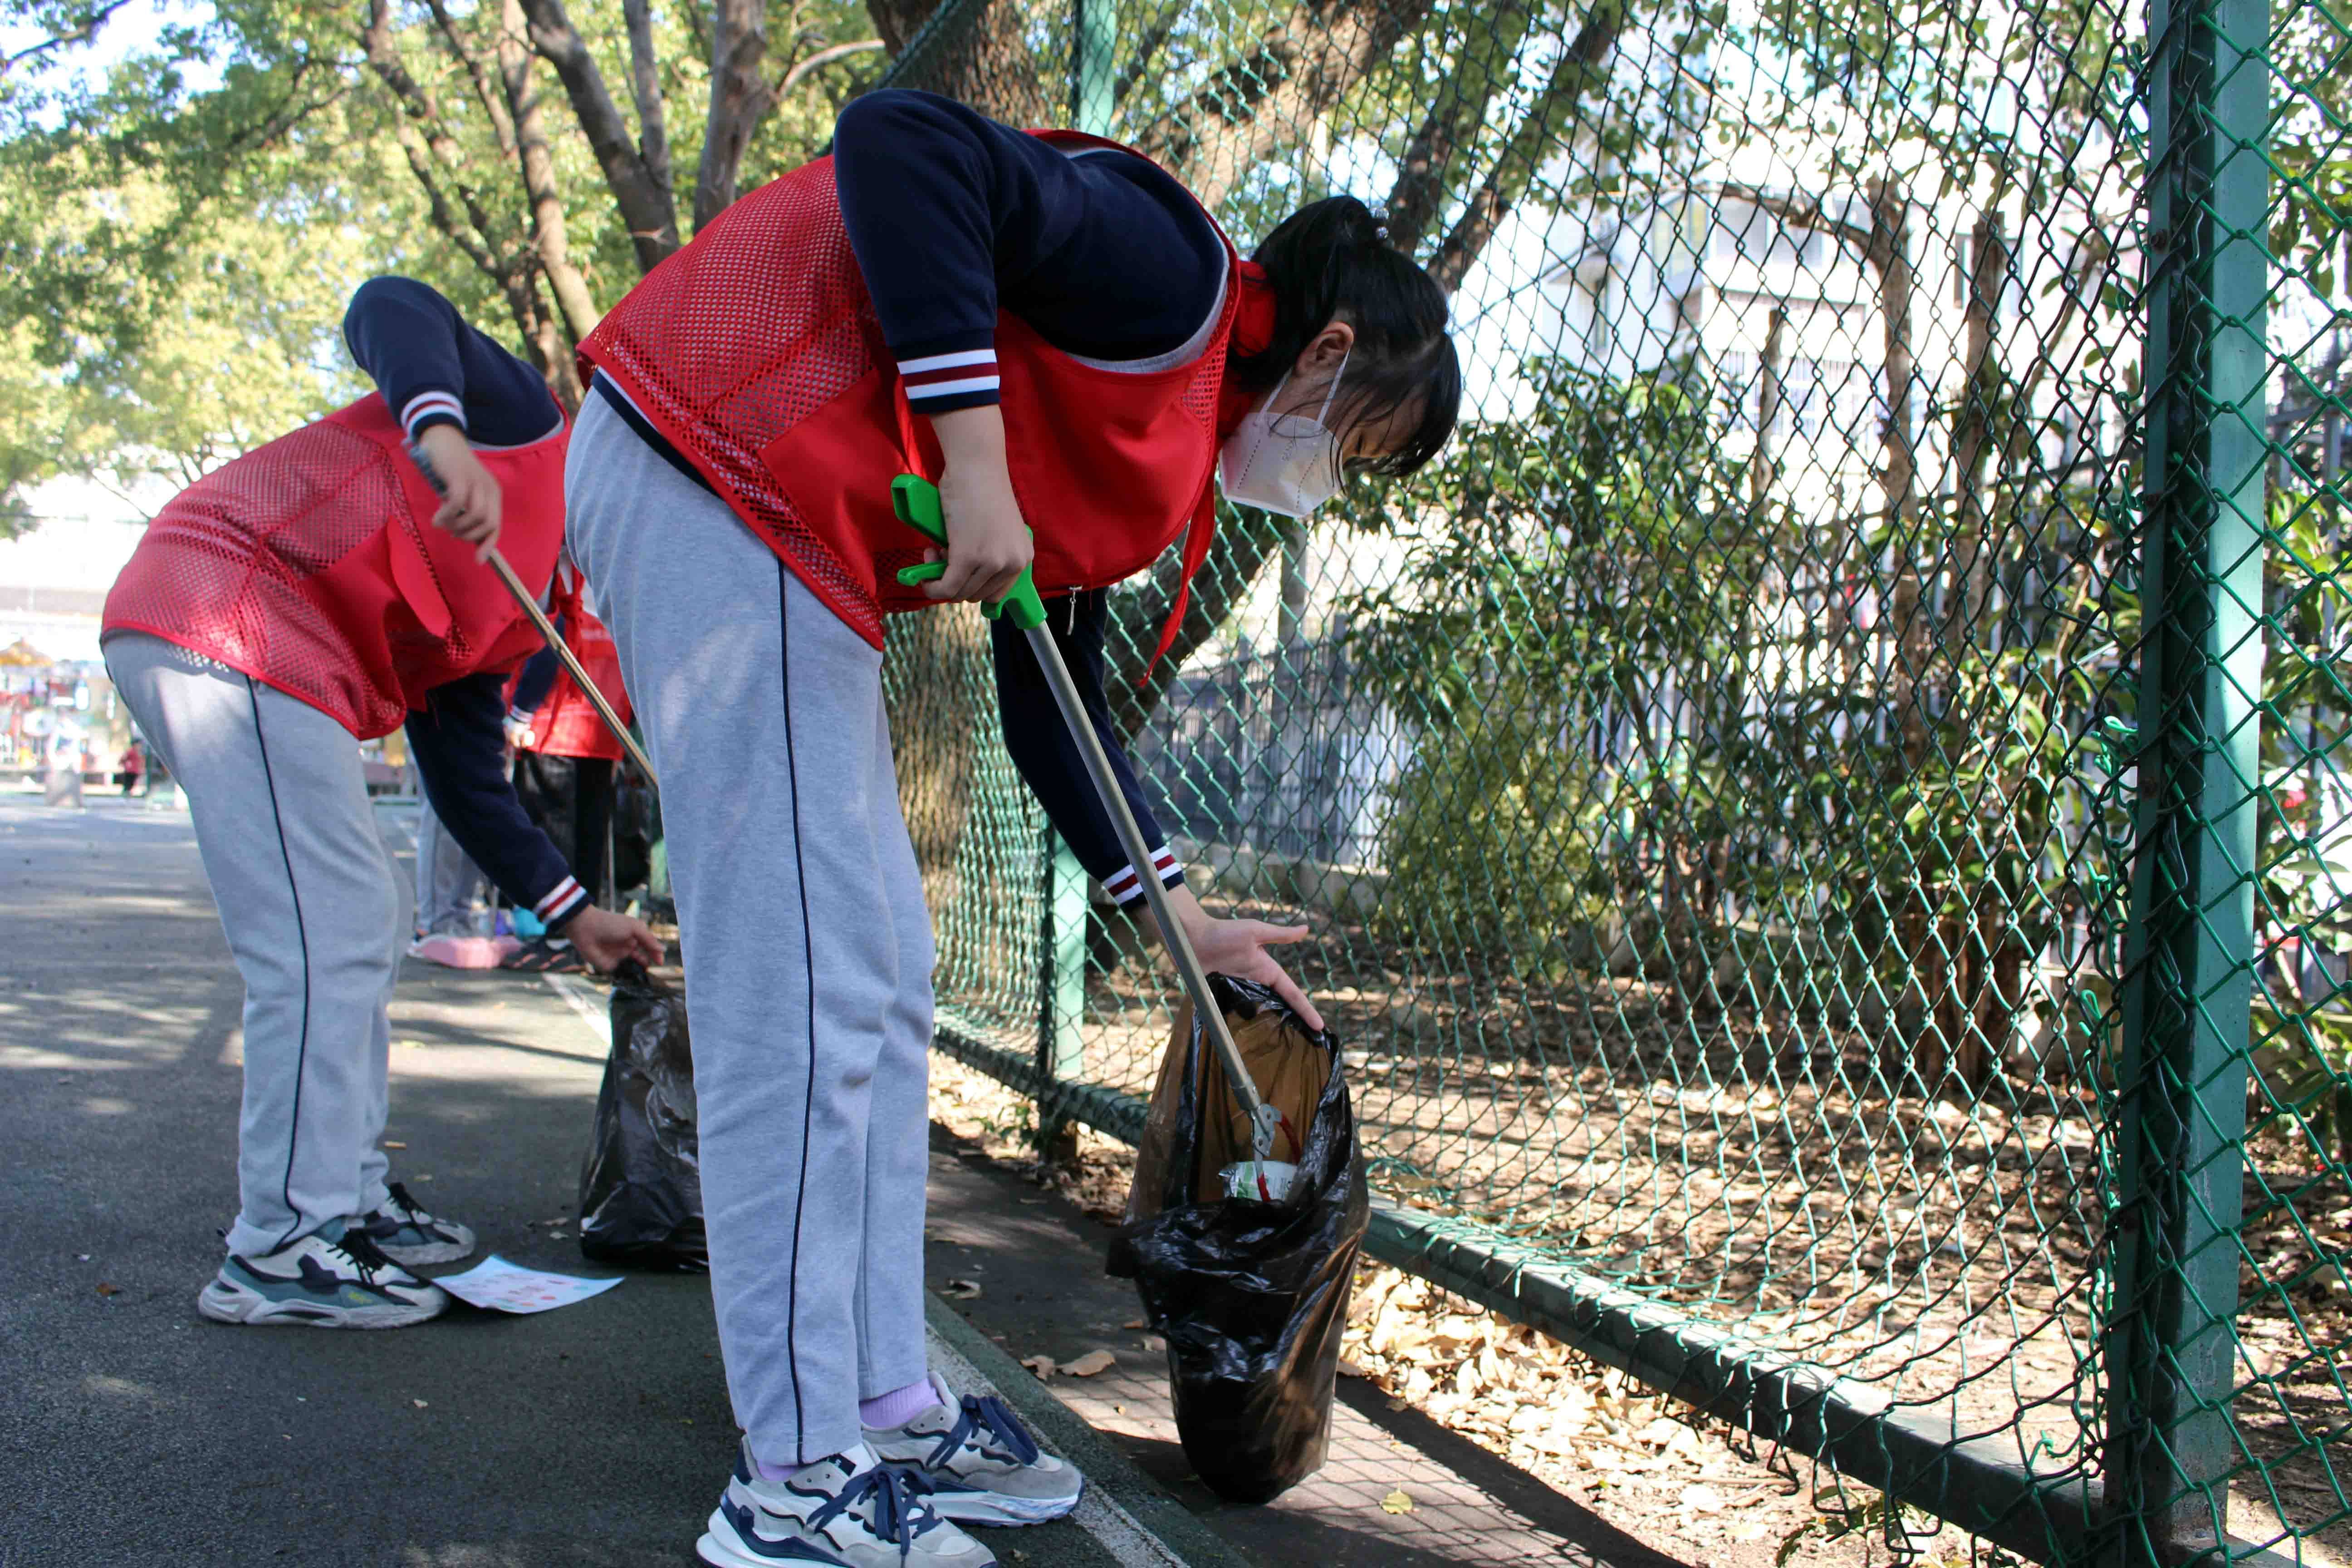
(550, 238)
(825, 57)
(1457, 109)
(82, 32)
(501, 122)
(645, 88)
(422, 116)
(645, 204)
(1582, 67)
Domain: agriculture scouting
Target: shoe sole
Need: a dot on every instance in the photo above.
(226, 1303)
(1003, 1509)
(715, 1552)
(435, 1252)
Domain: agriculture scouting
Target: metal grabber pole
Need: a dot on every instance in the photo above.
(530, 606)
(917, 504)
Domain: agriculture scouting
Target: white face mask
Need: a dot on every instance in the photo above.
(1285, 463)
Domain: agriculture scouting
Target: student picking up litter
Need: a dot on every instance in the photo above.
(1055, 330)
(312, 593)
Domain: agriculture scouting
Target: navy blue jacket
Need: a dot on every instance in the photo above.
(434, 369)
(954, 217)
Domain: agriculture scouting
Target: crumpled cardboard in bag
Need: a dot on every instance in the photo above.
(1251, 1297)
(1286, 1063)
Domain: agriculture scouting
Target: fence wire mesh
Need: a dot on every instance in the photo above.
(1783, 854)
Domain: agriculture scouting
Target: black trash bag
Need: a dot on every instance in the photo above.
(1251, 1297)
(641, 1184)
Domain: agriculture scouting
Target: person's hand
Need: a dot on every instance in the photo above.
(1238, 948)
(518, 731)
(606, 938)
(470, 499)
(988, 545)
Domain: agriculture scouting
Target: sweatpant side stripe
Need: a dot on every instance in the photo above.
(302, 935)
(808, 967)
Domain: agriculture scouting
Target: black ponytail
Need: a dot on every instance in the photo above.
(1332, 258)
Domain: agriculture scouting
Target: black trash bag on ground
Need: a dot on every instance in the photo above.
(1251, 1297)
(641, 1184)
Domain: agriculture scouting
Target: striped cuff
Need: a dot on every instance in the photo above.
(563, 901)
(1125, 887)
(522, 716)
(941, 383)
(429, 408)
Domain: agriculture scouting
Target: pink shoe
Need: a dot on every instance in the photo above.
(465, 952)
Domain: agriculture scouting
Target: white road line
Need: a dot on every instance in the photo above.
(1118, 1531)
(586, 1000)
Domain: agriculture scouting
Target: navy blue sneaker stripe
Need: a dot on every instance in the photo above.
(773, 1551)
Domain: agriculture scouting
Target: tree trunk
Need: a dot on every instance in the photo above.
(551, 240)
(1764, 463)
(1269, 96)
(739, 99)
(1973, 434)
(984, 56)
(1889, 255)
(645, 204)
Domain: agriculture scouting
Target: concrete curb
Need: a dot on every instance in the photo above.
(1133, 1501)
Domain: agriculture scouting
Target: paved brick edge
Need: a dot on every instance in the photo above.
(1108, 1470)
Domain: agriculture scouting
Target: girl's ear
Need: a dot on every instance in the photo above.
(1323, 355)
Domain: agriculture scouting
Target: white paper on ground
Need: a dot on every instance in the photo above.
(504, 1286)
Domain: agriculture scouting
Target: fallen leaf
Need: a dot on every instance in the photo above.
(393, 1144)
(106, 1290)
(1751, 1531)
(559, 1236)
(1043, 1365)
(426, 1177)
(558, 1219)
(1397, 1502)
(960, 1289)
(1091, 1363)
(1134, 1323)
(81, 1256)
(1701, 1499)
(419, 1403)
(1350, 1369)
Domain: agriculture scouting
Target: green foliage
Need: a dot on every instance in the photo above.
(1563, 563)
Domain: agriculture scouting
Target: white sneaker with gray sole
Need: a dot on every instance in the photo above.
(851, 1511)
(982, 1465)
(331, 1278)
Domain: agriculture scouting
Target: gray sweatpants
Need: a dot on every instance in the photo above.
(807, 947)
(315, 914)
(448, 884)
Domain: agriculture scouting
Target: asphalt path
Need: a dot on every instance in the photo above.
(133, 1432)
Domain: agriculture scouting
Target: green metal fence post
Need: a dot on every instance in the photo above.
(1061, 994)
(1094, 37)
(2188, 961)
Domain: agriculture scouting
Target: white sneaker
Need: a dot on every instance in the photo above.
(982, 1465)
(851, 1510)
(331, 1278)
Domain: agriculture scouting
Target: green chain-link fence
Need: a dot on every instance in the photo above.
(1822, 811)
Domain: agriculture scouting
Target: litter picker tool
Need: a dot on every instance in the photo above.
(917, 502)
(554, 638)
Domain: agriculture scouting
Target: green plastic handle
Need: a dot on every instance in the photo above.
(917, 502)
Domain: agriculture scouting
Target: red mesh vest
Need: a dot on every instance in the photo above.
(312, 565)
(755, 352)
(566, 724)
